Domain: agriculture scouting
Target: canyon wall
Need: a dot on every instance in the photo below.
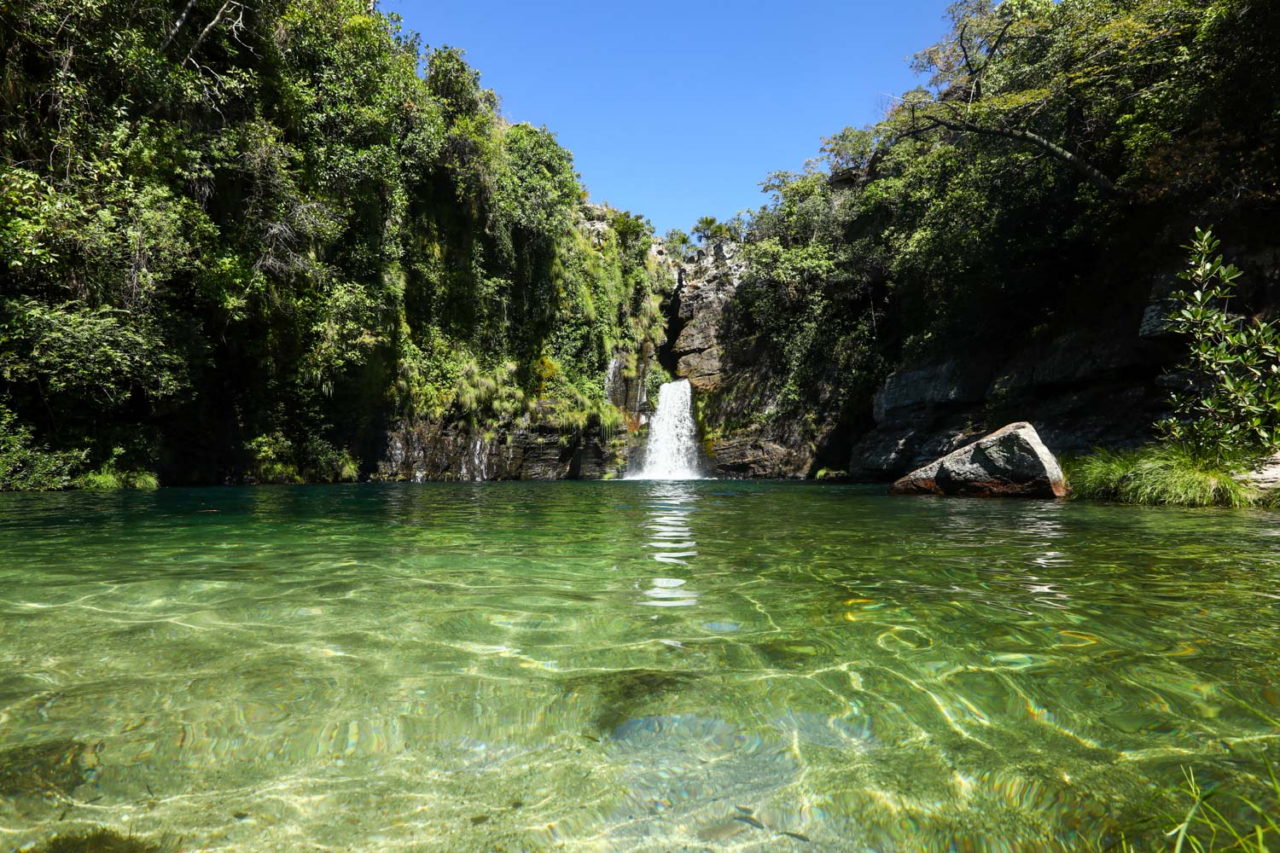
(1101, 383)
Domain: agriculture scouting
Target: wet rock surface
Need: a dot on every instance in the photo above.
(430, 451)
(754, 454)
(1265, 475)
(1010, 462)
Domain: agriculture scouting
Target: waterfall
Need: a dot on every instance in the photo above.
(613, 382)
(479, 458)
(672, 453)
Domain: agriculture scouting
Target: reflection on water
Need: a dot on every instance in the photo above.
(670, 504)
(610, 666)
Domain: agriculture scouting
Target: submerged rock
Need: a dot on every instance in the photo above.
(621, 692)
(54, 768)
(1009, 462)
(689, 778)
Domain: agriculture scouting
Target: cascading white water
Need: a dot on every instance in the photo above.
(672, 453)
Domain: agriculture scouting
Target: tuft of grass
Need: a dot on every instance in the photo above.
(109, 478)
(1206, 820)
(1160, 474)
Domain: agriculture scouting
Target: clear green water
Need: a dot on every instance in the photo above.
(613, 666)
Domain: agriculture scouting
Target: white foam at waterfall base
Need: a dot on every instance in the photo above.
(672, 453)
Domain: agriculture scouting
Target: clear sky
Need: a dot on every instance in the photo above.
(676, 110)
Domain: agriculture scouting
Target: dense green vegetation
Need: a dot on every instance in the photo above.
(240, 240)
(1056, 159)
(1225, 415)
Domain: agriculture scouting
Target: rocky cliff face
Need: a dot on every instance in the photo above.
(704, 288)
(1103, 382)
(432, 451)
(1081, 390)
(699, 348)
(1092, 385)
(1096, 383)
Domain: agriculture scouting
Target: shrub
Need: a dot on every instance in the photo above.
(322, 462)
(273, 460)
(1231, 405)
(27, 467)
(115, 473)
(108, 478)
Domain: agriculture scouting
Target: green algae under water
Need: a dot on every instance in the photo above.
(627, 665)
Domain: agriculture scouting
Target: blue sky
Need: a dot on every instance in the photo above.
(678, 110)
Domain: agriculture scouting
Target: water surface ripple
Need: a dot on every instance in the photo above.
(627, 665)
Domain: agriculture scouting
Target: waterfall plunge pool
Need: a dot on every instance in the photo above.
(626, 665)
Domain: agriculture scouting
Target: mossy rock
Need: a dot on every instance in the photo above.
(52, 768)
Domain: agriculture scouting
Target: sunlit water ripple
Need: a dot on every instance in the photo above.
(628, 665)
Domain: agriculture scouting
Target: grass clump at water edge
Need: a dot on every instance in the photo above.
(108, 478)
(1161, 474)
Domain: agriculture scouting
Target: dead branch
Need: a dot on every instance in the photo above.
(208, 29)
(177, 25)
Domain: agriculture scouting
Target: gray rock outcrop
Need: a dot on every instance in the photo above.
(427, 451)
(1265, 476)
(749, 454)
(706, 286)
(1010, 462)
(1081, 388)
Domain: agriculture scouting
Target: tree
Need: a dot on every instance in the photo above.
(961, 66)
(705, 228)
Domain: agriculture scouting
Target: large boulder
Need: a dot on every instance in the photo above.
(1009, 462)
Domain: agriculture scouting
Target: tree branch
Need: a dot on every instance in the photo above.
(1094, 175)
(998, 42)
(208, 29)
(964, 51)
(177, 26)
(975, 75)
